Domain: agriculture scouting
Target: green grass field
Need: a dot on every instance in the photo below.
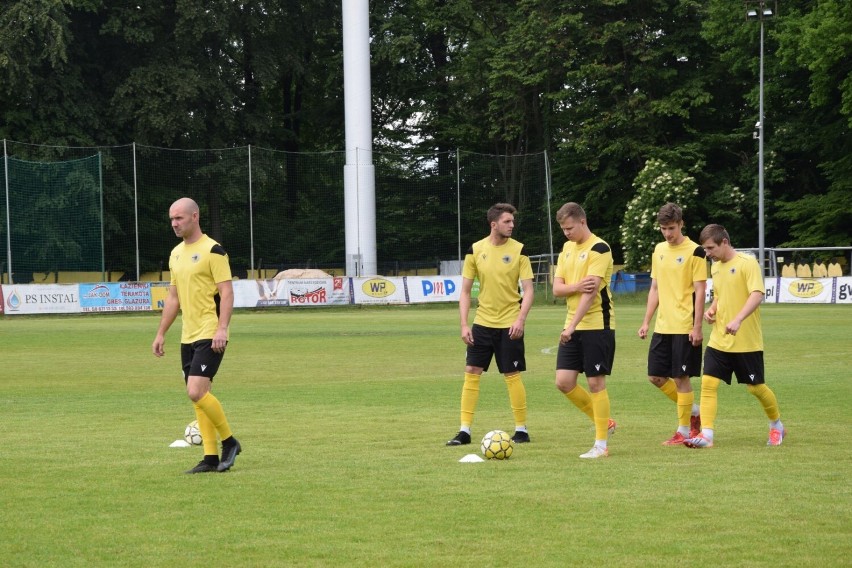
(343, 415)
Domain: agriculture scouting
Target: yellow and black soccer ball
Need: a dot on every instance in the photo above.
(497, 445)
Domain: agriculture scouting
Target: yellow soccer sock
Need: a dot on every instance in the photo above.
(669, 389)
(208, 432)
(709, 401)
(211, 406)
(600, 405)
(469, 398)
(517, 399)
(684, 407)
(581, 398)
(767, 399)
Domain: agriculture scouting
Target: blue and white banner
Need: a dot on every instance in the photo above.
(115, 297)
(41, 299)
(433, 288)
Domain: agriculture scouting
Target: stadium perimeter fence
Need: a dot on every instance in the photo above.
(101, 213)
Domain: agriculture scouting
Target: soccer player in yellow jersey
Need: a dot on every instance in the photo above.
(678, 287)
(587, 343)
(201, 289)
(736, 341)
(499, 262)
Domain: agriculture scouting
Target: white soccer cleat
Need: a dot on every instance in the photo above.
(595, 453)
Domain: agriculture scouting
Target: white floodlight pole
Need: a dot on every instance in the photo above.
(760, 225)
(359, 176)
(761, 13)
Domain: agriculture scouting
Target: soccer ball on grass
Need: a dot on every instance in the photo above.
(497, 445)
(192, 434)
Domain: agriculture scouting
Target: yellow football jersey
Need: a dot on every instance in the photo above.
(733, 282)
(592, 258)
(499, 269)
(676, 269)
(195, 271)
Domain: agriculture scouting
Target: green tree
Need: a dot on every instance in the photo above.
(819, 42)
(656, 185)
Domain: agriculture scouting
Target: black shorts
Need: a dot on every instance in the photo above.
(492, 341)
(747, 366)
(673, 355)
(590, 351)
(199, 359)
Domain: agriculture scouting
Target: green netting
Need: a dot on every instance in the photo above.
(270, 209)
(55, 216)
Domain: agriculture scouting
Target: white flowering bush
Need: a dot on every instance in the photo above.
(656, 185)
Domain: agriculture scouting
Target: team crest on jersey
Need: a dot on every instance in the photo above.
(733, 270)
(584, 255)
(196, 257)
(679, 260)
(507, 259)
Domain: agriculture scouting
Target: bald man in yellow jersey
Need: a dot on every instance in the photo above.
(499, 262)
(587, 342)
(202, 290)
(736, 341)
(678, 289)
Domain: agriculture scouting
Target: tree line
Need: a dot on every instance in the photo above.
(602, 87)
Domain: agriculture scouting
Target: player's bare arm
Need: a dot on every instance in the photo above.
(653, 303)
(751, 304)
(710, 314)
(696, 337)
(582, 307)
(562, 289)
(226, 308)
(517, 328)
(464, 309)
(170, 312)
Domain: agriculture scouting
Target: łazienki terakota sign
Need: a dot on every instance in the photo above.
(149, 296)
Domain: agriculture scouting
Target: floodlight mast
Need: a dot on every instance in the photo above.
(359, 176)
(760, 10)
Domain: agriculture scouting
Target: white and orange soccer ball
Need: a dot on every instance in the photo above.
(497, 445)
(192, 434)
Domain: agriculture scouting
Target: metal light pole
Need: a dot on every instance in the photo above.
(760, 10)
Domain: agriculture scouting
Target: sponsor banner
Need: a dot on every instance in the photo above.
(805, 290)
(433, 288)
(41, 299)
(159, 293)
(115, 297)
(1, 299)
(771, 285)
(291, 292)
(843, 293)
(378, 290)
(318, 291)
(263, 293)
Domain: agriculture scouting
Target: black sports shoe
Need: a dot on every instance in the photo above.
(520, 437)
(229, 454)
(461, 439)
(202, 467)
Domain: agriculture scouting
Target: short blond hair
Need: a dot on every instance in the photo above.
(572, 210)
